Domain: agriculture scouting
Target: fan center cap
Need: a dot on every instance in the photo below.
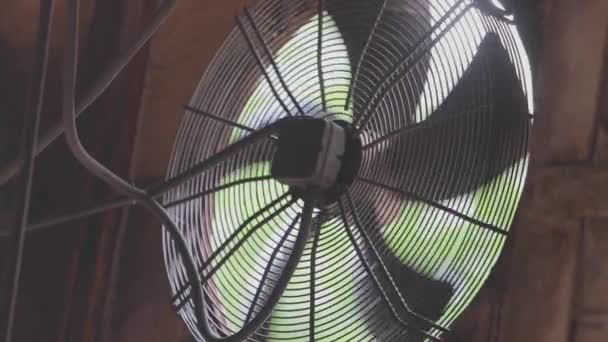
(317, 156)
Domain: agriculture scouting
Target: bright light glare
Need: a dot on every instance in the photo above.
(498, 4)
(454, 52)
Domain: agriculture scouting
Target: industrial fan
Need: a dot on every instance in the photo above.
(347, 170)
(381, 155)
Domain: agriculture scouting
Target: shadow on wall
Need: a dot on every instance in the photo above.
(12, 91)
(12, 94)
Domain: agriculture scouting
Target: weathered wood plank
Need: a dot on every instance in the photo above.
(124, 99)
(591, 319)
(142, 308)
(601, 142)
(591, 328)
(545, 257)
(565, 192)
(574, 44)
(179, 55)
(594, 270)
(540, 291)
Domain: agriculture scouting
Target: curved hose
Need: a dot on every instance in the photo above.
(8, 171)
(143, 198)
(120, 185)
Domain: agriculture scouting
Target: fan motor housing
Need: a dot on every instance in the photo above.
(309, 154)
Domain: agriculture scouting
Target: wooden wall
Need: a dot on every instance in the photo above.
(103, 279)
(179, 55)
(554, 274)
(66, 270)
(558, 283)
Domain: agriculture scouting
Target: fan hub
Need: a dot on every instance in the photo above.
(317, 156)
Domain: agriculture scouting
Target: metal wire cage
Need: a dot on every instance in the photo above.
(436, 96)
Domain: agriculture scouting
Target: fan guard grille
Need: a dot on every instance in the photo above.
(383, 71)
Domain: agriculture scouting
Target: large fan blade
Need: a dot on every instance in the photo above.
(458, 149)
(479, 131)
(353, 27)
(377, 35)
(425, 296)
(245, 290)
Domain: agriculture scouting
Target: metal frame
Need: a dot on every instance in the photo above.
(28, 155)
(409, 323)
(406, 64)
(32, 145)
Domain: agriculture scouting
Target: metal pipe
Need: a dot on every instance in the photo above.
(31, 129)
(75, 145)
(8, 171)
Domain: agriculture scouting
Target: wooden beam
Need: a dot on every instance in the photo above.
(566, 192)
(591, 314)
(179, 55)
(545, 261)
(115, 117)
(602, 142)
(142, 308)
(65, 269)
(574, 45)
(591, 328)
(540, 289)
(591, 318)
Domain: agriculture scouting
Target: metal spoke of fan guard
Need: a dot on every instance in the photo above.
(273, 63)
(224, 120)
(92, 165)
(216, 189)
(369, 245)
(215, 159)
(313, 274)
(8, 171)
(125, 201)
(374, 278)
(290, 267)
(355, 78)
(420, 125)
(407, 63)
(266, 273)
(218, 118)
(434, 204)
(163, 187)
(155, 191)
(426, 124)
(28, 150)
(98, 86)
(378, 258)
(232, 237)
(260, 62)
(192, 291)
(321, 17)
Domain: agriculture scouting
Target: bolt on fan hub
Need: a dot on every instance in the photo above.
(317, 157)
